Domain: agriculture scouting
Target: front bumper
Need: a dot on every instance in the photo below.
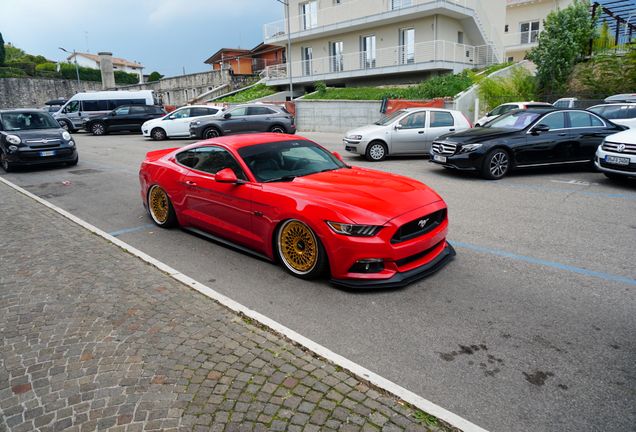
(29, 156)
(463, 162)
(604, 164)
(353, 146)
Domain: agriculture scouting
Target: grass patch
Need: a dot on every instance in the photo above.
(256, 92)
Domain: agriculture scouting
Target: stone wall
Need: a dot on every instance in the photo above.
(33, 92)
(336, 116)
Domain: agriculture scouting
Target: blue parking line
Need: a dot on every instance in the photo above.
(131, 229)
(547, 263)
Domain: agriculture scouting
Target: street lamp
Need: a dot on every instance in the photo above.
(289, 66)
(79, 85)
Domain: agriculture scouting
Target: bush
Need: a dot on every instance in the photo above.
(256, 92)
(11, 72)
(518, 86)
(27, 67)
(122, 77)
(155, 76)
(46, 67)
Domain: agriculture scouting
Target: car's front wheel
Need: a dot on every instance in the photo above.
(496, 164)
(300, 250)
(98, 128)
(6, 165)
(376, 151)
(211, 133)
(158, 134)
(160, 207)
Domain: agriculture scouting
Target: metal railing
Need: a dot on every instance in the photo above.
(521, 38)
(398, 56)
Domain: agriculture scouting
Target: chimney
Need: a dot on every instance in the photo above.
(106, 65)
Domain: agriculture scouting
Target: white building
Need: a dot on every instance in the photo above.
(92, 61)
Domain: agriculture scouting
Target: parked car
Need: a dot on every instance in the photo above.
(524, 138)
(504, 108)
(286, 198)
(177, 123)
(616, 156)
(626, 97)
(54, 106)
(32, 137)
(619, 113)
(406, 131)
(123, 118)
(570, 102)
(248, 118)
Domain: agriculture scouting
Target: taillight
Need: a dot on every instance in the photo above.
(471, 125)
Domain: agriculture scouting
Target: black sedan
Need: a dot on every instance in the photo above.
(523, 139)
(123, 118)
(32, 137)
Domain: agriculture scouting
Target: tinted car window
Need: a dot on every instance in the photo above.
(414, 121)
(122, 110)
(196, 112)
(583, 119)
(91, 105)
(516, 120)
(140, 110)
(188, 158)
(441, 119)
(631, 112)
(241, 111)
(261, 111)
(184, 113)
(612, 112)
(554, 120)
(215, 159)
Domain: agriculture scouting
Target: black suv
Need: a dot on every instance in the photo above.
(123, 118)
(32, 137)
(248, 118)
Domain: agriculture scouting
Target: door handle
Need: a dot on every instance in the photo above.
(562, 134)
(452, 130)
(420, 132)
(190, 183)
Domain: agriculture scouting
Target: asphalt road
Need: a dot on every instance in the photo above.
(531, 327)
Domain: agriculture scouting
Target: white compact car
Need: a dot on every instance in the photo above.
(502, 109)
(616, 156)
(407, 131)
(177, 123)
(619, 113)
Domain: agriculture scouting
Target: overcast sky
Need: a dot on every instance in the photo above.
(163, 35)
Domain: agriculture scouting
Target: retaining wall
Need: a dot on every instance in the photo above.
(335, 116)
(33, 92)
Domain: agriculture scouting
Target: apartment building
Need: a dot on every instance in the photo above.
(375, 42)
(524, 22)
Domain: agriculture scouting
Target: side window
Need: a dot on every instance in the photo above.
(441, 119)
(122, 110)
(259, 111)
(188, 158)
(612, 112)
(184, 113)
(506, 108)
(554, 121)
(91, 105)
(239, 111)
(138, 110)
(631, 112)
(214, 159)
(72, 107)
(414, 121)
(580, 119)
(196, 112)
(497, 111)
(596, 122)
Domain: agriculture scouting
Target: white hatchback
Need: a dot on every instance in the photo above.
(407, 131)
(177, 123)
(616, 156)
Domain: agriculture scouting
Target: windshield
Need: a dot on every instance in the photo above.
(286, 160)
(515, 120)
(388, 119)
(28, 121)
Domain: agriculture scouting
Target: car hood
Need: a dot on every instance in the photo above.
(364, 196)
(37, 134)
(366, 130)
(479, 134)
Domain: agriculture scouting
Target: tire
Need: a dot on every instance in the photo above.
(376, 151)
(496, 164)
(73, 162)
(277, 129)
(98, 128)
(6, 165)
(612, 176)
(160, 208)
(300, 250)
(158, 134)
(211, 133)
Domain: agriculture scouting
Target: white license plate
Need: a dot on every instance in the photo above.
(439, 158)
(617, 160)
(48, 153)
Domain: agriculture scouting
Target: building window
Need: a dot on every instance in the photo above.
(407, 46)
(167, 97)
(506, 28)
(367, 51)
(194, 93)
(399, 4)
(306, 55)
(336, 2)
(336, 56)
(528, 32)
(511, 59)
(185, 94)
(460, 37)
(309, 13)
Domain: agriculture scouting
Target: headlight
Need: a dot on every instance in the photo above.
(467, 148)
(66, 136)
(354, 137)
(354, 230)
(13, 139)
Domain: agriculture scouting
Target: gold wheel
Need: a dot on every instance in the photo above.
(298, 247)
(160, 207)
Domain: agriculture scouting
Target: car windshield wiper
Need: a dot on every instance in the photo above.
(283, 178)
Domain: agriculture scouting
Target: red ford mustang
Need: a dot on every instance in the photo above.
(283, 197)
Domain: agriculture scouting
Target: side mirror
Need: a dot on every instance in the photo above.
(172, 117)
(336, 154)
(227, 115)
(398, 126)
(540, 128)
(113, 113)
(226, 176)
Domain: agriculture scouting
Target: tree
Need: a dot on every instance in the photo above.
(155, 76)
(565, 37)
(2, 52)
(13, 53)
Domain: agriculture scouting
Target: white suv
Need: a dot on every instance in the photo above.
(619, 113)
(616, 156)
(177, 123)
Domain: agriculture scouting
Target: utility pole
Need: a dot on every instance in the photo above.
(289, 65)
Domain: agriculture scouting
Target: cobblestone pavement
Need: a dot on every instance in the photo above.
(93, 338)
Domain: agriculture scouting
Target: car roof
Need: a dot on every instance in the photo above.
(20, 110)
(614, 104)
(237, 141)
(425, 108)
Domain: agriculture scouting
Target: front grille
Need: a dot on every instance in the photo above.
(613, 147)
(626, 168)
(34, 156)
(419, 227)
(444, 148)
(412, 258)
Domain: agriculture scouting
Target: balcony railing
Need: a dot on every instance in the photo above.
(357, 9)
(521, 38)
(404, 58)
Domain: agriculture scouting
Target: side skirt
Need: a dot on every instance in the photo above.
(226, 242)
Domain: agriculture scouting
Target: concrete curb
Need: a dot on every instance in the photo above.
(404, 394)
